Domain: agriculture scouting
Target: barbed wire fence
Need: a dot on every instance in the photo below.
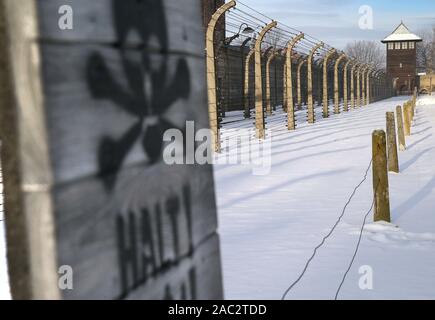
(346, 85)
(232, 46)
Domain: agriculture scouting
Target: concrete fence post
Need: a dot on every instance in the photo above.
(336, 89)
(311, 113)
(268, 101)
(363, 86)
(285, 85)
(300, 65)
(211, 74)
(291, 121)
(345, 86)
(352, 86)
(325, 83)
(358, 86)
(410, 114)
(393, 161)
(259, 111)
(380, 177)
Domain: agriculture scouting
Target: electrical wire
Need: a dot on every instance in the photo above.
(356, 249)
(299, 278)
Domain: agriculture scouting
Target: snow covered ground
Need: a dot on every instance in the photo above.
(269, 225)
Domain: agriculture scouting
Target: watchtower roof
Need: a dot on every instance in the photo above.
(402, 33)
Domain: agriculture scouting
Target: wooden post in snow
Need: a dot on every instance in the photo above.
(406, 120)
(400, 131)
(393, 161)
(410, 115)
(380, 177)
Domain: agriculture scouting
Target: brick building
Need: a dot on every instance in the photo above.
(402, 58)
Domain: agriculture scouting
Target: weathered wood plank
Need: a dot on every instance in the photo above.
(196, 277)
(167, 218)
(90, 86)
(85, 183)
(154, 24)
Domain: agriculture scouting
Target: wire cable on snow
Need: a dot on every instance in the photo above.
(357, 247)
(329, 233)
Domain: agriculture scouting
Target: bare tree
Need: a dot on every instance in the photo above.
(426, 50)
(370, 52)
(275, 39)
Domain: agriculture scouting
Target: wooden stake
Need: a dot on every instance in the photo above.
(380, 177)
(393, 161)
(410, 116)
(406, 121)
(400, 132)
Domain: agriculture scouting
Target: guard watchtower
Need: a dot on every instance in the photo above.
(402, 58)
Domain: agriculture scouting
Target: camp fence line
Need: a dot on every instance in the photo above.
(82, 112)
(240, 76)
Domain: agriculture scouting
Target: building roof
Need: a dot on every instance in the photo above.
(401, 33)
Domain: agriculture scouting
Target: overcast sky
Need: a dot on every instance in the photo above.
(336, 21)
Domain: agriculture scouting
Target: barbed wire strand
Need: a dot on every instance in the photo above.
(356, 248)
(328, 235)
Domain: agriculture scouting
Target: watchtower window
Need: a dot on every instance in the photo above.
(411, 45)
(397, 45)
(404, 45)
(390, 45)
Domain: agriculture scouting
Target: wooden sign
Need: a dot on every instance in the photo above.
(84, 105)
